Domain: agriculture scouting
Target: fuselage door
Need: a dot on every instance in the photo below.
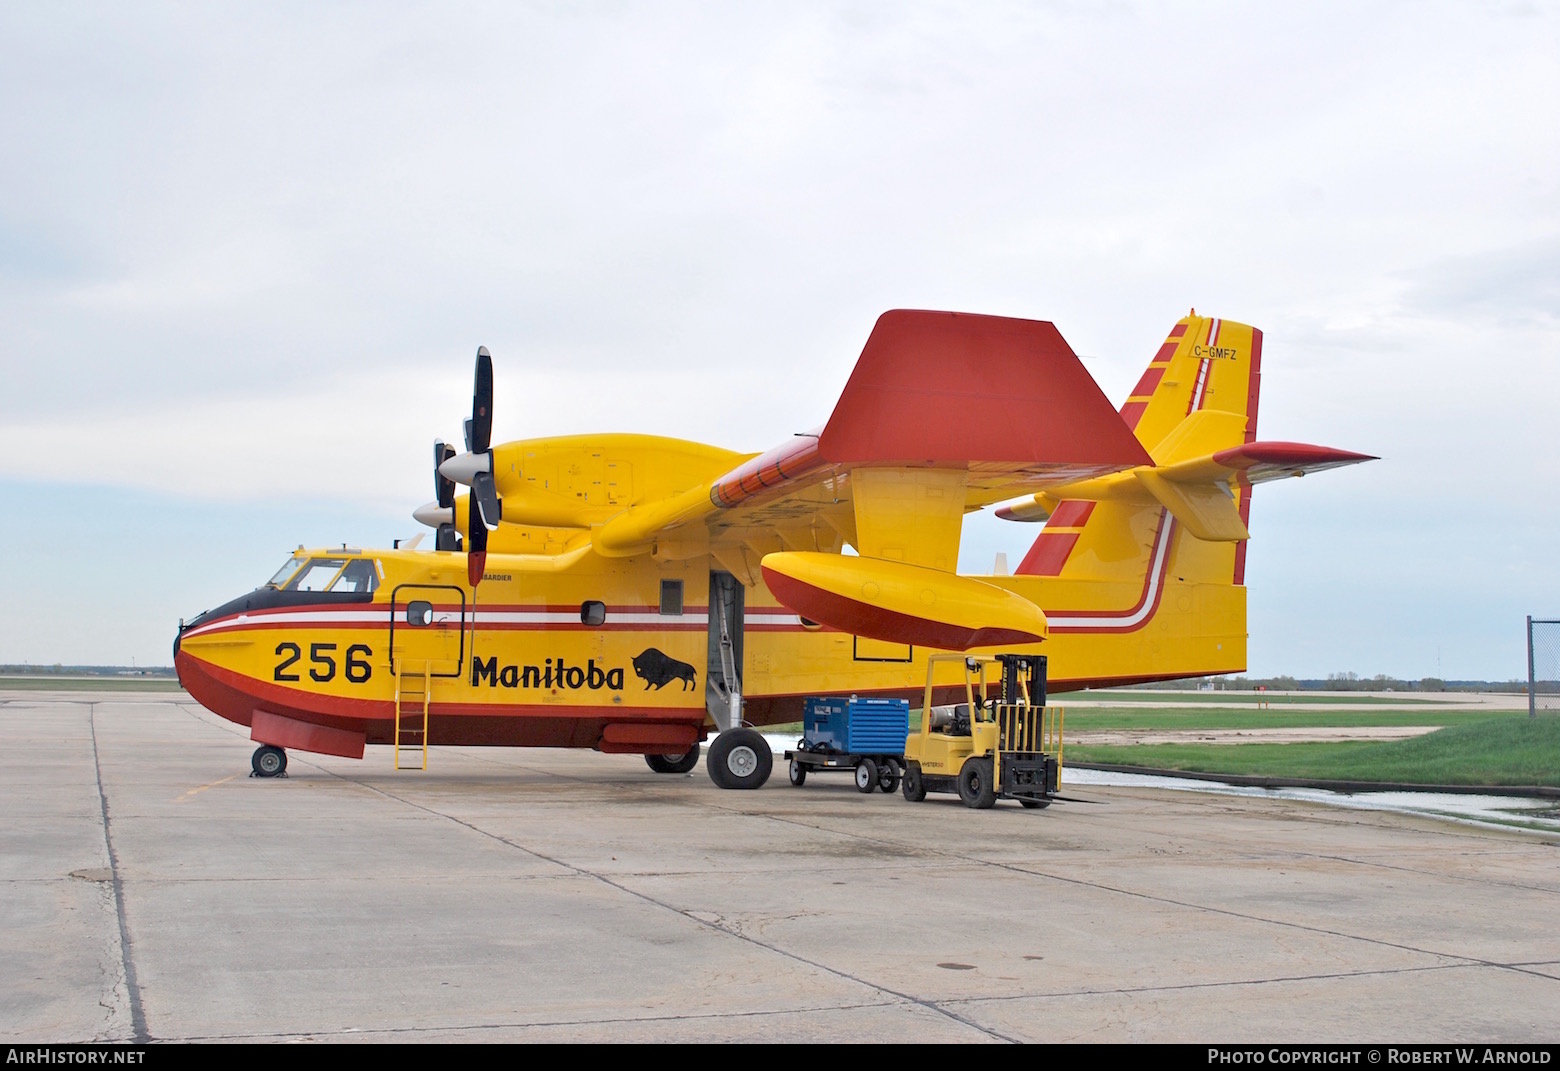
(428, 625)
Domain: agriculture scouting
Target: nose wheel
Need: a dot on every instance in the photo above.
(269, 761)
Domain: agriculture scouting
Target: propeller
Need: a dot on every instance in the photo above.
(444, 491)
(474, 467)
(484, 506)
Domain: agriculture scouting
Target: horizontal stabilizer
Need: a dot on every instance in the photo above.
(1253, 463)
(1200, 492)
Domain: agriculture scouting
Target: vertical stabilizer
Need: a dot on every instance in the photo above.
(1198, 396)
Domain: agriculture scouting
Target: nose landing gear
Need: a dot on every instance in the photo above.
(268, 761)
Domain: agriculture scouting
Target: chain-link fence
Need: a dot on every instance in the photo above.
(1543, 665)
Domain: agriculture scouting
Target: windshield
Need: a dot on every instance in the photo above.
(357, 575)
(285, 572)
(317, 575)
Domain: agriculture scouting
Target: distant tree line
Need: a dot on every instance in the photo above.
(27, 669)
(1337, 682)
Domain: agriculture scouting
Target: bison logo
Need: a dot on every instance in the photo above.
(659, 669)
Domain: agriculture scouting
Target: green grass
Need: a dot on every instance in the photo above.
(1509, 750)
(1080, 719)
(1113, 695)
(89, 684)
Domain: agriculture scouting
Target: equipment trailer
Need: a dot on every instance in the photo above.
(866, 736)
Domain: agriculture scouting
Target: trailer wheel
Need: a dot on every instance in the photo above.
(798, 774)
(975, 784)
(866, 775)
(268, 761)
(913, 788)
(888, 777)
(740, 758)
(674, 763)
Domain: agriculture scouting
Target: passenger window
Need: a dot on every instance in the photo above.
(419, 613)
(671, 597)
(593, 613)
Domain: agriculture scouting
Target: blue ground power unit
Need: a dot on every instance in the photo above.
(857, 726)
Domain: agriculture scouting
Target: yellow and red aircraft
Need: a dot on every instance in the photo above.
(630, 593)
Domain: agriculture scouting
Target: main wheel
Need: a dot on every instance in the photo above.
(1035, 805)
(976, 787)
(675, 763)
(268, 761)
(913, 788)
(866, 775)
(798, 774)
(888, 777)
(740, 758)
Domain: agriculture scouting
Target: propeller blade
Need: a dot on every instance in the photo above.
(479, 429)
(443, 486)
(485, 494)
(476, 546)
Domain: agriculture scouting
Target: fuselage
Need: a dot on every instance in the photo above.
(571, 649)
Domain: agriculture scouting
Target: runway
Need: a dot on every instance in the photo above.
(155, 892)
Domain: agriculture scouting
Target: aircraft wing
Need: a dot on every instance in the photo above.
(943, 413)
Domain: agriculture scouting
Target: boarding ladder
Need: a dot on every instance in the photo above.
(412, 686)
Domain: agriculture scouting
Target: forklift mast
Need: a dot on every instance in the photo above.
(1023, 679)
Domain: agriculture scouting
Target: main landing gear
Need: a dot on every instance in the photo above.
(740, 758)
(675, 763)
(268, 761)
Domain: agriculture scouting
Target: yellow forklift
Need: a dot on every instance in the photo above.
(1007, 746)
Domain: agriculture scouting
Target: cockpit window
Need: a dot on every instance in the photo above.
(359, 576)
(317, 575)
(285, 572)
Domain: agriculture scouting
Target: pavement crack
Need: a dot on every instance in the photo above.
(127, 960)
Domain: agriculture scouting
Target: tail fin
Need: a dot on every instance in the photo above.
(1205, 365)
(1197, 397)
(1141, 573)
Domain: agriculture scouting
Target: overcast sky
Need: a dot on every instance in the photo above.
(247, 253)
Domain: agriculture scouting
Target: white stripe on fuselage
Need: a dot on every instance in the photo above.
(1127, 619)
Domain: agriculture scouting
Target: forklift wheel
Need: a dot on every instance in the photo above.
(1035, 805)
(798, 774)
(914, 788)
(866, 775)
(975, 784)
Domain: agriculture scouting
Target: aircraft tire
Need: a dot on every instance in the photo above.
(674, 763)
(976, 788)
(866, 775)
(798, 774)
(914, 788)
(740, 759)
(268, 761)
